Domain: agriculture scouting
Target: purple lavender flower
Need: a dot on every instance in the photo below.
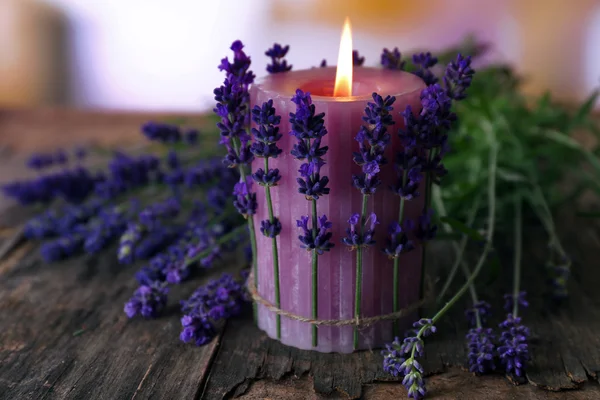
(270, 229)
(245, 200)
(458, 77)
(208, 308)
(277, 54)
(233, 102)
(269, 178)
(320, 242)
(437, 107)
(559, 275)
(357, 60)
(425, 230)
(61, 248)
(161, 132)
(151, 216)
(267, 134)
(147, 300)
(191, 136)
(509, 301)
(481, 350)
(323, 63)
(484, 310)
(372, 141)
(424, 61)
(39, 161)
(311, 184)
(398, 242)
(358, 235)
(393, 358)
(514, 351)
(392, 59)
(133, 233)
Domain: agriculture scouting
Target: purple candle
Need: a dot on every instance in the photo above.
(336, 268)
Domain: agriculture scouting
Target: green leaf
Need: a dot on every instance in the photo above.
(561, 138)
(585, 109)
(459, 226)
(510, 176)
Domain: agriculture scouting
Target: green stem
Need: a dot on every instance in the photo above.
(275, 254)
(458, 248)
(236, 146)
(315, 269)
(489, 234)
(395, 326)
(517, 260)
(359, 262)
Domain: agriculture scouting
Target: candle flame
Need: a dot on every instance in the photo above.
(343, 75)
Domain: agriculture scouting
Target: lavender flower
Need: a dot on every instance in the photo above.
(559, 275)
(208, 308)
(458, 77)
(323, 63)
(125, 253)
(424, 229)
(311, 184)
(151, 216)
(514, 351)
(392, 59)
(364, 235)
(277, 54)
(191, 136)
(372, 141)
(233, 100)
(357, 60)
(270, 229)
(481, 350)
(39, 161)
(393, 358)
(161, 132)
(269, 178)
(319, 242)
(484, 310)
(509, 301)
(61, 248)
(398, 242)
(245, 200)
(147, 300)
(424, 61)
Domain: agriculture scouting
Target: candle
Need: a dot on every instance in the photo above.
(336, 276)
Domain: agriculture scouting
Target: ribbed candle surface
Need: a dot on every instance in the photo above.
(337, 268)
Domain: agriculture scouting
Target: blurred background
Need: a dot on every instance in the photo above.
(162, 55)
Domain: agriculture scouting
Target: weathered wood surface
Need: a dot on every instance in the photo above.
(63, 333)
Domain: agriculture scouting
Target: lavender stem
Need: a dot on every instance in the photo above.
(359, 260)
(275, 253)
(315, 269)
(517, 259)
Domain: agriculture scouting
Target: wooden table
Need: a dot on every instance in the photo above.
(63, 333)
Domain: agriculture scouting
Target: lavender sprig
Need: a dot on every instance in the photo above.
(277, 54)
(148, 300)
(266, 136)
(209, 306)
(372, 138)
(233, 106)
(514, 350)
(309, 129)
(414, 346)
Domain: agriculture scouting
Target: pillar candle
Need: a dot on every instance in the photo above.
(336, 270)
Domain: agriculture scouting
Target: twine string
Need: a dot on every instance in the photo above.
(356, 321)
